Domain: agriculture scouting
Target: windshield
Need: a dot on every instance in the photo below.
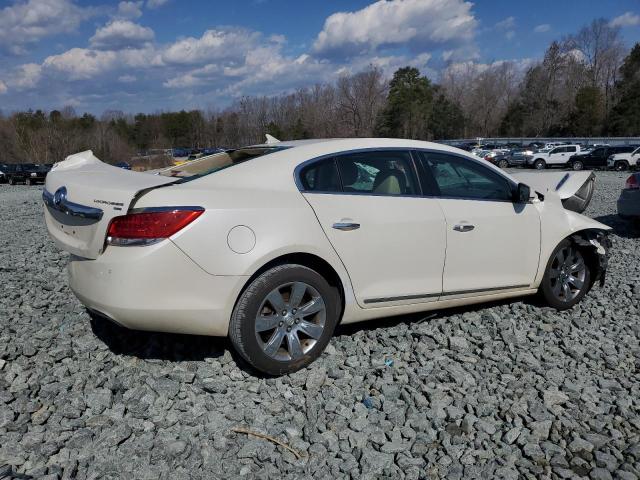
(212, 163)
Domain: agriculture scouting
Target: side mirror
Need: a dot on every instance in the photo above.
(522, 193)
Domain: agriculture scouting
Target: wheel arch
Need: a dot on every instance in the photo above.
(309, 260)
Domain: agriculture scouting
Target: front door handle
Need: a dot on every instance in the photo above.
(464, 227)
(346, 226)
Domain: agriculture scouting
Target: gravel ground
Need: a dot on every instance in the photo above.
(507, 390)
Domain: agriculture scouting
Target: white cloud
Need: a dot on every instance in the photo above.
(3, 87)
(130, 10)
(212, 45)
(419, 24)
(24, 77)
(506, 24)
(120, 34)
(85, 64)
(545, 27)
(627, 19)
(156, 3)
(510, 34)
(25, 23)
(126, 79)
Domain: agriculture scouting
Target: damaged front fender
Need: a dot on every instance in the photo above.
(598, 243)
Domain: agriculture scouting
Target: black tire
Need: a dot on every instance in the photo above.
(577, 165)
(503, 164)
(548, 284)
(28, 182)
(11, 181)
(621, 166)
(539, 164)
(242, 327)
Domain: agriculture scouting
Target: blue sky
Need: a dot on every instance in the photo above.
(149, 55)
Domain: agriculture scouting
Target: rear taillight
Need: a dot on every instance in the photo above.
(633, 182)
(150, 225)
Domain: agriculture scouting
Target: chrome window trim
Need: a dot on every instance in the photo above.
(411, 150)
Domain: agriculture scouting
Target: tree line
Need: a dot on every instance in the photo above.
(587, 84)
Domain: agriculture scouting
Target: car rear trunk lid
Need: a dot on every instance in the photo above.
(82, 195)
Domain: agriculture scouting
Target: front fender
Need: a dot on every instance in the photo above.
(558, 223)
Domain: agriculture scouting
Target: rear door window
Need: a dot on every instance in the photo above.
(321, 176)
(378, 173)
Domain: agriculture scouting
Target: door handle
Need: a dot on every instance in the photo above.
(346, 226)
(464, 227)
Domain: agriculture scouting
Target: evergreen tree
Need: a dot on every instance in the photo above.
(625, 115)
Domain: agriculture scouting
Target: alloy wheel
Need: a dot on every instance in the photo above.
(568, 273)
(290, 320)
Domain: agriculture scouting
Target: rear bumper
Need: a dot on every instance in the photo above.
(155, 288)
(629, 203)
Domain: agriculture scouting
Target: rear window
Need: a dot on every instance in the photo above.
(212, 163)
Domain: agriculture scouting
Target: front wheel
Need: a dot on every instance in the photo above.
(284, 319)
(539, 164)
(28, 182)
(567, 278)
(503, 164)
(577, 165)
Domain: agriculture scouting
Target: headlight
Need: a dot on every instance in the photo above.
(34, 174)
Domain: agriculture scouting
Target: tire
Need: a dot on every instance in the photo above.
(577, 165)
(621, 166)
(28, 182)
(558, 274)
(265, 343)
(503, 164)
(539, 164)
(11, 181)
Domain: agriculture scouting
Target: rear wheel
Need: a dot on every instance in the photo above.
(11, 181)
(503, 164)
(284, 319)
(28, 182)
(577, 165)
(539, 164)
(567, 278)
(621, 166)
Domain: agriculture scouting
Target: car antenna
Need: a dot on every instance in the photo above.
(271, 139)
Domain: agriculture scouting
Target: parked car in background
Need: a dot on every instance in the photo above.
(124, 165)
(624, 161)
(5, 170)
(629, 201)
(28, 173)
(512, 158)
(555, 157)
(597, 158)
(275, 244)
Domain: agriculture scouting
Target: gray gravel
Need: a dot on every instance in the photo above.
(508, 390)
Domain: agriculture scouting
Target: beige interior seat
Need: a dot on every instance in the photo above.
(390, 182)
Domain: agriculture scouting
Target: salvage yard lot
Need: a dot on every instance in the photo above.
(502, 390)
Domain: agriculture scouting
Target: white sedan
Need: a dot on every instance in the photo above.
(276, 244)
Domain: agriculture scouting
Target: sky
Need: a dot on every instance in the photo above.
(153, 55)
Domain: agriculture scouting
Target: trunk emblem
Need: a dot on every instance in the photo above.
(60, 196)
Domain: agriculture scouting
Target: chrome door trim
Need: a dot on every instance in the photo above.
(58, 201)
(444, 294)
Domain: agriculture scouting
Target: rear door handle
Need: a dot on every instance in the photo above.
(346, 226)
(464, 227)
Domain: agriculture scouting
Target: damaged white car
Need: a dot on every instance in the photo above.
(276, 244)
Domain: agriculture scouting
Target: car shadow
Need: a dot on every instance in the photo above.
(154, 345)
(622, 227)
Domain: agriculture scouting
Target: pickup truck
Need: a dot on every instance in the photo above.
(624, 161)
(556, 157)
(27, 173)
(597, 158)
